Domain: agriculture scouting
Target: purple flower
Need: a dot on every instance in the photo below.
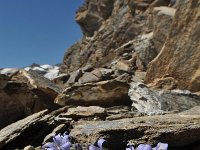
(144, 147)
(60, 142)
(63, 142)
(78, 146)
(130, 147)
(161, 146)
(99, 143)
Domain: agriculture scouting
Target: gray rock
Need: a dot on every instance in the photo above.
(151, 101)
(74, 76)
(88, 78)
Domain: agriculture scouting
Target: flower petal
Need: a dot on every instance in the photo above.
(51, 149)
(130, 147)
(49, 145)
(162, 146)
(58, 139)
(144, 147)
(66, 138)
(92, 147)
(65, 146)
(100, 143)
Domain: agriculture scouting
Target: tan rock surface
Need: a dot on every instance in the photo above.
(162, 21)
(104, 93)
(106, 25)
(84, 112)
(180, 56)
(181, 131)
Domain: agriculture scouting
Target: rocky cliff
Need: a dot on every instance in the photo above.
(108, 25)
(124, 81)
(180, 55)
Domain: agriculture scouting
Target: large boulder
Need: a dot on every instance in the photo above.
(181, 131)
(104, 93)
(151, 101)
(25, 93)
(17, 102)
(179, 58)
(39, 84)
(31, 130)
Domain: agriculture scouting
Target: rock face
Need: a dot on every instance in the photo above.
(38, 83)
(103, 74)
(151, 101)
(162, 28)
(104, 93)
(25, 93)
(107, 25)
(28, 130)
(179, 57)
(17, 101)
(181, 131)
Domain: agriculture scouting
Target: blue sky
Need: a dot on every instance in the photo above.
(36, 31)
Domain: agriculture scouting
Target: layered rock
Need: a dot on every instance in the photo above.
(84, 112)
(181, 131)
(17, 101)
(151, 101)
(179, 57)
(28, 130)
(104, 93)
(162, 21)
(24, 93)
(106, 25)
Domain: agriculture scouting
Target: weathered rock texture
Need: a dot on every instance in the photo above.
(24, 93)
(151, 101)
(179, 58)
(17, 101)
(31, 130)
(104, 93)
(162, 21)
(106, 25)
(181, 131)
(84, 112)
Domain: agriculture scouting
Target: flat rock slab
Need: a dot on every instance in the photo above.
(14, 130)
(85, 112)
(104, 93)
(181, 131)
(37, 81)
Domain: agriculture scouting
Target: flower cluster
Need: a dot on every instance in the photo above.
(160, 146)
(63, 142)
